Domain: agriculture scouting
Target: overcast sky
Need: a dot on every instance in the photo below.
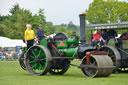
(56, 11)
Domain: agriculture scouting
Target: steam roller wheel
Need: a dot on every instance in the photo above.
(37, 60)
(102, 63)
(114, 54)
(60, 71)
(22, 61)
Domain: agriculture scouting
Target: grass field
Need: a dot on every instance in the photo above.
(12, 74)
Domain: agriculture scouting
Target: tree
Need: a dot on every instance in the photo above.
(38, 19)
(71, 26)
(50, 28)
(15, 8)
(3, 18)
(123, 11)
(96, 12)
(14, 25)
(104, 11)
(2, 30)
(61, 29)
(42, 17)
(69, 33)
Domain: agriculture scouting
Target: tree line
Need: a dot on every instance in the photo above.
(107, 11)
(14, 24)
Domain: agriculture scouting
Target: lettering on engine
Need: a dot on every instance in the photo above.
(61, 43)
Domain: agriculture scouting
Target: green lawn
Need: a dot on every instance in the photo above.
(12, 74)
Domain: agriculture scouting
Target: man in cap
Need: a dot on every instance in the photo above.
(40, 33)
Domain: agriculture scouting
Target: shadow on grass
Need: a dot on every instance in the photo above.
(67, 75)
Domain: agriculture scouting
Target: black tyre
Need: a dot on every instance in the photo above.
(22, 61)
(123, 70)
(60, 71)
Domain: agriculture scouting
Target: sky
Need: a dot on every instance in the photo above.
(56, 11)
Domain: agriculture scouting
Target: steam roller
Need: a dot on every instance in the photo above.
(54, 56)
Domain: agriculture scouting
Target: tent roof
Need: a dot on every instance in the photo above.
(6, 42)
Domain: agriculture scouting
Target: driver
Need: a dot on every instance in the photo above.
(105, 36)
(112, 33)
(40, 33)
(74, 35)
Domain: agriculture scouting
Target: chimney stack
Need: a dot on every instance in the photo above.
(82, 28)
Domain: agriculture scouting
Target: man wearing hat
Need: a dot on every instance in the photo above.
(40, 33)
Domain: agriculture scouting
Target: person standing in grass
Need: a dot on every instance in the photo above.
(29, 36)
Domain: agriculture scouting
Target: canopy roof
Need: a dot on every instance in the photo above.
(6, 42)
(123, 25)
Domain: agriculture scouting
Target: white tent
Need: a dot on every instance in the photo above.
(6, 42)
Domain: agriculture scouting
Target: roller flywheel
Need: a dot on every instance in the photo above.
(100, 66)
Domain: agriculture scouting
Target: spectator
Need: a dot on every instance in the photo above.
(6, 57)
(20, 51)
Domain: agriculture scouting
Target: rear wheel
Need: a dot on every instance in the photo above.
(37, 60)
(60, 69)
(114, 54)
(22, 61)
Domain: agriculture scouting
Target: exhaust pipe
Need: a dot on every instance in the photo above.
(82, 29)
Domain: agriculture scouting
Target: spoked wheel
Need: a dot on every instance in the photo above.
(114, 54)
(61, 70)
(37, 60)
(100, 66)
(22, 61)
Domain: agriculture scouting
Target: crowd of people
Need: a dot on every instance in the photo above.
(10, 54)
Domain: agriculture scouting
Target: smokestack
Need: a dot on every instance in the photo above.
(82, 28)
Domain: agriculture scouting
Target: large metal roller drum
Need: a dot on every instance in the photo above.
(37, 60)
(100, 66)
(105, 65)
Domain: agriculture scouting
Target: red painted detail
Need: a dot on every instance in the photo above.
(88, 55)
(53, 46)
(61, 43)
